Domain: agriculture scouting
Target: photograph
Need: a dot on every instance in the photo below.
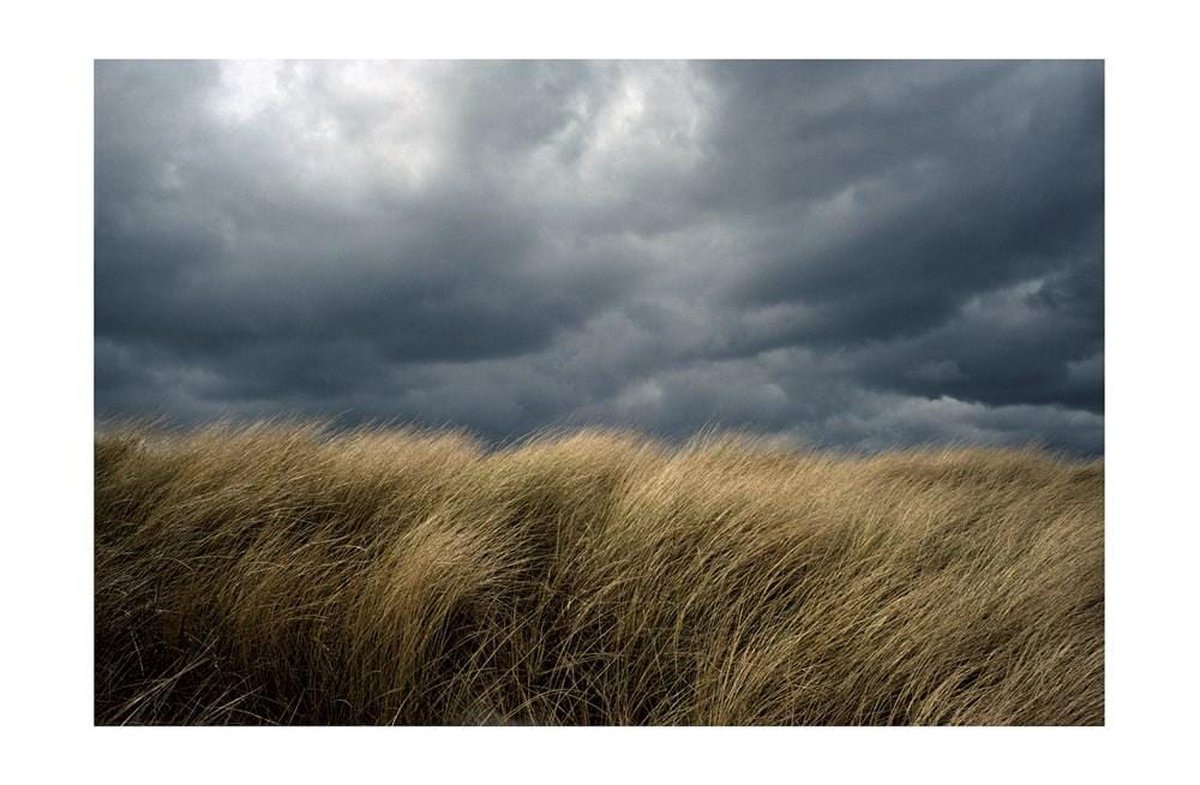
(599, 392)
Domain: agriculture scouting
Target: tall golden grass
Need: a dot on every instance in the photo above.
(290, 574)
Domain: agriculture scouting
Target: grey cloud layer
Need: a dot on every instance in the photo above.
(853, 254)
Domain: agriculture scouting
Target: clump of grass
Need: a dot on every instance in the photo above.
(294, 575)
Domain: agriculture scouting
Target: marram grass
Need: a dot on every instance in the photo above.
(287, 574)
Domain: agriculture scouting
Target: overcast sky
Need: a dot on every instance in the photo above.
(853, 254)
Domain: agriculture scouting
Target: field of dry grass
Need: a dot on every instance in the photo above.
(289, 574)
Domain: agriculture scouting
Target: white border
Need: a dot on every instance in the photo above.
(47, 311)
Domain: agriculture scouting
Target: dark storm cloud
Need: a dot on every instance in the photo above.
(848, 253)
(954, 179)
